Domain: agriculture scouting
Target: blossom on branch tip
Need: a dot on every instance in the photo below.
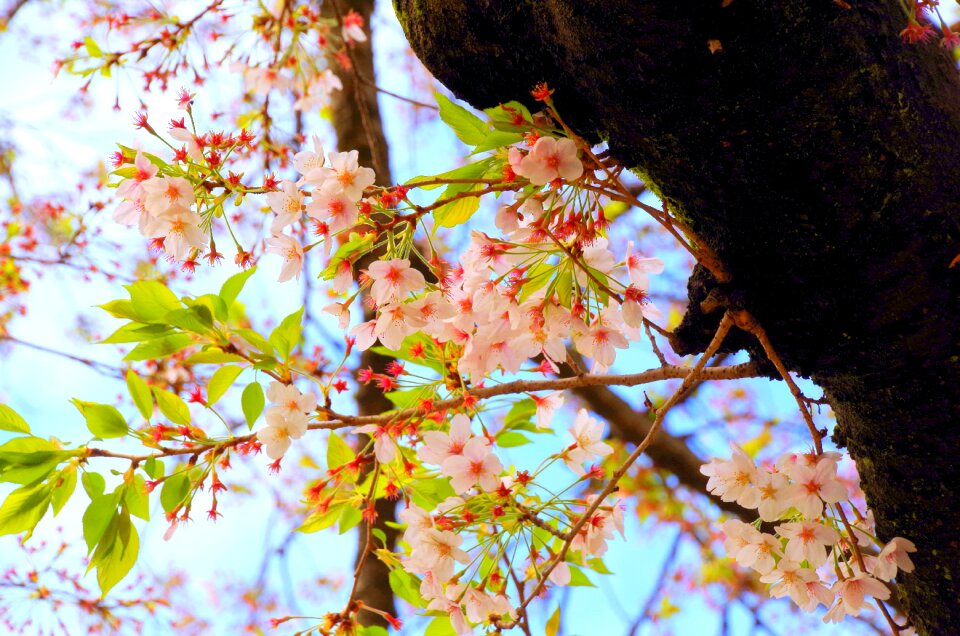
(550, 159)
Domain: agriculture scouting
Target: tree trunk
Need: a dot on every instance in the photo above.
(819, 156)
(357, 122)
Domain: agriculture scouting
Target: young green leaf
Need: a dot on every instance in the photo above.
(94, 484)
(221, 380)
(103, 420)
(159, 347)
(286, 336)
(152, 300)
(140, 393)
(10, 420)
(234, 285)
(468, 127)
(63, 487)
(252, 401)
(175, 489)
(338, 451)
(23, 509)
(117, 560)
(172, 406)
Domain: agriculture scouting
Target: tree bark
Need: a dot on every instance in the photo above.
(357, 122)
(818, 155)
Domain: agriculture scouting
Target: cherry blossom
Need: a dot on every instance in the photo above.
(384, 446)
(280, 429)
(893, 556)
(438, 446)
(550, 159)
(807, 541)
(587, 433)
(476, 464)
(292, 253)
(393, 279)
(287, 204)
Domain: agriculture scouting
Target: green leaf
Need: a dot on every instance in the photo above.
(406, 586)
(286, 336)
(213, 304)
(97, 518)
(405, 399)
(252, 401)
(213, 355)
(597, 565)
(94, 484)
(234, 285)
(350, 517)
(473, 170)
(159, 347)
(140, 393)
(117, 560)
(137, 332)
(23, 509)
(578, 578)
(520, 412)
(172, 406)
(536, 278)
(136, 499)
(196, 319)
(10, 420)
(553, 624)
(92, 49)
(458, 212)
(175, 489)
(320, 521)
(63, 488)
(153, 468)
(511, 439)
(440, 626)
(497, 139)
(509, 113)
(338, 452)
(27, 460)
(222, 379)
(256, 340)
(373, 630)
(468, 127)
(120, 309)
(103, 420)
(152, 300)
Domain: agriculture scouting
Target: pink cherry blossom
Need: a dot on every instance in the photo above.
(384, 446)
(586, 433)
(551, 158)
(393, 280)
(813, 487)
(807, 541)
(894, 555)
(286, 203)
(292, 253)
(438, 446)
(476, 464)
(638, 268)
(276, 436)
(167, 193)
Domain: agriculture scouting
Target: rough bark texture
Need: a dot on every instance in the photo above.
(819, 156)
(357, 122)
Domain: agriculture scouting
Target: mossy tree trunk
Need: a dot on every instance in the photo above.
(819, 156)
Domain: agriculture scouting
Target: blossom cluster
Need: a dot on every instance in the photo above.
(162, 208)
(336, 191)
(811, 557)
